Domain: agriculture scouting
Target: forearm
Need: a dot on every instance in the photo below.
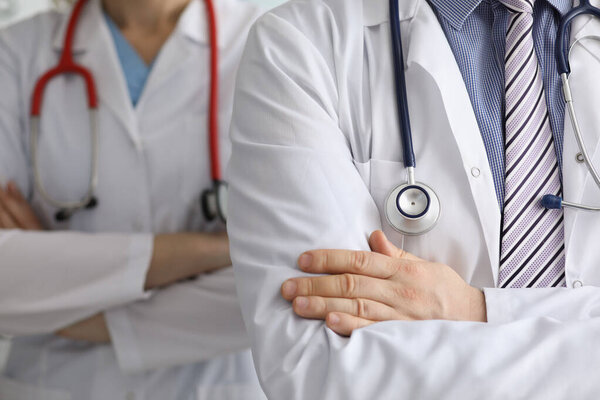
(175, 258)
(184, 255)
(208, 323)
(49, 280)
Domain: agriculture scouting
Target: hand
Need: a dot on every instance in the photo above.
(15, 212)
(385, 284)
(93, 330)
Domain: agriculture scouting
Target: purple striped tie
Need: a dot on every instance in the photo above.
(533, 249)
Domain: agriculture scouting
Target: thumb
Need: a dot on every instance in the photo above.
(379, 243)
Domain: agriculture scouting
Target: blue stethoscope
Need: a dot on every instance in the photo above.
(413, 208)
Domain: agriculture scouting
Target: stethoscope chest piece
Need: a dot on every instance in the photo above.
(412, 209)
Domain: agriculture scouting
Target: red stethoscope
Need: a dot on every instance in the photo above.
(213, 201)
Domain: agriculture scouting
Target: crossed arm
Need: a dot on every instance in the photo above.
(175, 257)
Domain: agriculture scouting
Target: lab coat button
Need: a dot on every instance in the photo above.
(577, 284)
(475, 172)
(579, 158)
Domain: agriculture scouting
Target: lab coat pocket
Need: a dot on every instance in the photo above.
(13, 390)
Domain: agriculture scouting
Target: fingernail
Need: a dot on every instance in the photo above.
(305, 260)
(289, 288)
(301, 302)
(333, 319)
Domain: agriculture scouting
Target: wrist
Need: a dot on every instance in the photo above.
(477, 306)
(185, 255)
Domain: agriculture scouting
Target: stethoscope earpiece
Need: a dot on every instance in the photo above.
(552, 202)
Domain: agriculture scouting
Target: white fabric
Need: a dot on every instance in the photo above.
(316, 151)
(154, 164)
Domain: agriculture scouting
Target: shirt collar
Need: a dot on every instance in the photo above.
(562, 6)
(457, 12)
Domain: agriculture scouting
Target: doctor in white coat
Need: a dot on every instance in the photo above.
(317, 150)
(185, 340)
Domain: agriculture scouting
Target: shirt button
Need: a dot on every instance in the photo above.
(577, 284)
(475, 172)
(579, 158)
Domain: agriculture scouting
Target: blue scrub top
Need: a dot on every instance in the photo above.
(134, 68)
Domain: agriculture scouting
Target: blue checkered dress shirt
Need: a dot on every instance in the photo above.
(476, 31)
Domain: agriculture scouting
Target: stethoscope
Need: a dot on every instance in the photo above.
(413, 208)
(564, 69)
(213, 201)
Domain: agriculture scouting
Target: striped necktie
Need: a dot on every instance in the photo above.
(532, 251)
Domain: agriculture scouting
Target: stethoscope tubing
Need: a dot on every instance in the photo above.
(400, 86)
(89, 196)
(67, 65)
(562, 49)
(562, 53)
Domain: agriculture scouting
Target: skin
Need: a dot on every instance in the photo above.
(363, 288)
(146, 24)
(175, 257)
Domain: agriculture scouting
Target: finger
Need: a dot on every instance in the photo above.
(348, 261)
(379, 243)
(20, 210)
(346, 286)
(319, 307)
(345, 324)
(6, 220)
(13, 190)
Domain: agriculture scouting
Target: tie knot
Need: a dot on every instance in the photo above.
(519, 6)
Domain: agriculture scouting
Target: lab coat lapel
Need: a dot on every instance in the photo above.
(429, 48)
(94, 49)
(585, 67)
(192, 30)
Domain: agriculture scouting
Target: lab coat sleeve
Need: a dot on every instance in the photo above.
(294, 187)
(186, 323)
(49, 280)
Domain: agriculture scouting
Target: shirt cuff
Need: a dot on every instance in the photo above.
(139, 258)
(123, 337)
(500, 305)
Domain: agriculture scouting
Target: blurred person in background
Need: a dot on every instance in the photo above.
(133, 296)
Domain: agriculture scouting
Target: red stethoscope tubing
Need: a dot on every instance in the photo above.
(67, 65)
(213, 120)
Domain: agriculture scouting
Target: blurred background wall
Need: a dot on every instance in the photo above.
(14, 10)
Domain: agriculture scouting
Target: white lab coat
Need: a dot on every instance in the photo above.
(316, 150)
(184, 342)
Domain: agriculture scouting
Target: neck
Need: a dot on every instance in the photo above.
(144, 14)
